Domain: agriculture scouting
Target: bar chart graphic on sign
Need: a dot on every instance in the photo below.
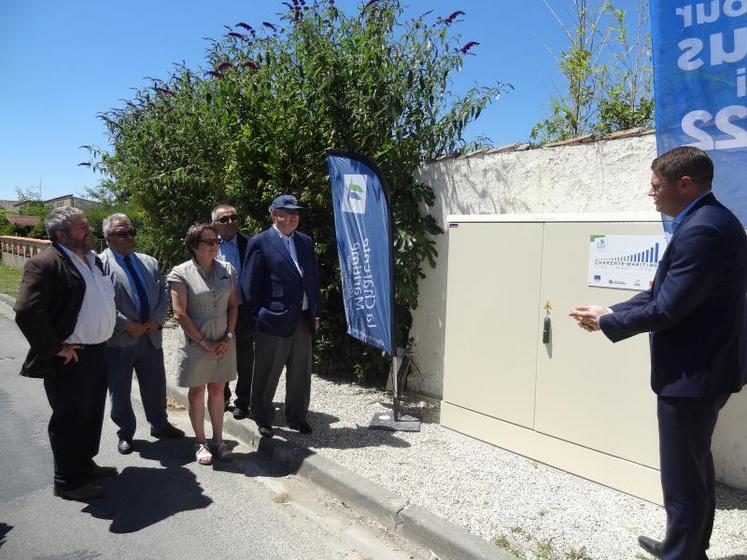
(626, 262)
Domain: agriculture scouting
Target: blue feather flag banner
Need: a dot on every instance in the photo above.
(364, 245)
(700, 87)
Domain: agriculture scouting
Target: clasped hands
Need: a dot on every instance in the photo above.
(218, 347)
(135, 329)
(587, 316)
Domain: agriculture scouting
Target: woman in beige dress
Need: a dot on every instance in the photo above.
(203, 294)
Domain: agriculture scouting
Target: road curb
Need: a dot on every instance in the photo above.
(445, 539)
(8, 300)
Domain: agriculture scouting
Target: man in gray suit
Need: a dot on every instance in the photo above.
(141, 298)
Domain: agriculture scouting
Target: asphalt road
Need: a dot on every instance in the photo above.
(162, 505)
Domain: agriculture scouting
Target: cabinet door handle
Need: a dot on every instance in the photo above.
(547, 329)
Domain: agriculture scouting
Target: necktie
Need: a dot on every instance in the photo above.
(141, 293)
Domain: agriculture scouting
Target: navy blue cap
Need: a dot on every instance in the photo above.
(286, 202)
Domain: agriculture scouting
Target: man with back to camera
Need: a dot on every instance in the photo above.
(694, 313)
(141, 298)
(65, 309)
(281, 291)
(232, 249)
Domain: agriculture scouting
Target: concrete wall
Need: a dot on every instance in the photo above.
(606, 176)
(17, 250)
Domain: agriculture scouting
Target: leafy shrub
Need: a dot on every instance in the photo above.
(255, 124)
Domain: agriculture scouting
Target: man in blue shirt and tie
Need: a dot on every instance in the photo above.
(232, 249)
(141, 298)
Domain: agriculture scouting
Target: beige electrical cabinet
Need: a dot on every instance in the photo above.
(578, 402)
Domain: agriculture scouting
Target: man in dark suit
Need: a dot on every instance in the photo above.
(694, 313)
(65, 309)
(232, 249)
(141, 297)
(281, 291)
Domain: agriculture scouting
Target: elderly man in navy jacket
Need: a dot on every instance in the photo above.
(694, 313)
(280, 287)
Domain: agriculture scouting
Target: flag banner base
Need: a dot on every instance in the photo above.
(386, 421)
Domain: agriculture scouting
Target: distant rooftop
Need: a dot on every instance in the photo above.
(64, 200)
(29, 221)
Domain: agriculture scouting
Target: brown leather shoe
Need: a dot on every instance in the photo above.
(84, 493)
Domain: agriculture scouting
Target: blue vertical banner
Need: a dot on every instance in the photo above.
(364, 246)
(700, 87)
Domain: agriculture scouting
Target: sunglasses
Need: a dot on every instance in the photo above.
(124, 234)
(209, 242)
(227, 219)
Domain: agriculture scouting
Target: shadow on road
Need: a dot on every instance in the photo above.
(141, 496)
(4, 530)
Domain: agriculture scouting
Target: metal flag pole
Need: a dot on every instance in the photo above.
(395, 422)
(395, 385)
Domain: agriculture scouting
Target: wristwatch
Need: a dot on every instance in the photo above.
(229, 335)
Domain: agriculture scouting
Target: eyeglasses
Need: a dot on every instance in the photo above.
(124, 234)
(209, 242)
(228, 218)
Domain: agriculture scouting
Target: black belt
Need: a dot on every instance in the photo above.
(86, 346)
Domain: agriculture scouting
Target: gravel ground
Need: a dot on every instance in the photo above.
(536, 511)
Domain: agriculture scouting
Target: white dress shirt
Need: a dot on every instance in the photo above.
(98, 313)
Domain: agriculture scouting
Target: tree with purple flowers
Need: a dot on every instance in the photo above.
(255, 121)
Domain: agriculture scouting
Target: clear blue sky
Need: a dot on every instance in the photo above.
(62, 62)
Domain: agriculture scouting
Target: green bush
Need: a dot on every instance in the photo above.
(256, 123)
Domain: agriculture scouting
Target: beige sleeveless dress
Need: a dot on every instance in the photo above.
(207, 306)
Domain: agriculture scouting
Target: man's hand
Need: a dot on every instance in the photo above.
(151, 327)
(68, 353)
(587, 316)
(135, 329)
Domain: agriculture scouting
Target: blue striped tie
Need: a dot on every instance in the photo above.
(141, 293)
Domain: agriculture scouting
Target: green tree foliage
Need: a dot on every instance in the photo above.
(255, 124)
(607, 72)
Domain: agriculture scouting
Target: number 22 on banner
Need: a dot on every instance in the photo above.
(737, 136)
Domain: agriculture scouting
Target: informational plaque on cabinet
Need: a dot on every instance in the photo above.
(624, 262)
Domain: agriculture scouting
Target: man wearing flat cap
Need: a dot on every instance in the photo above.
(280, 285)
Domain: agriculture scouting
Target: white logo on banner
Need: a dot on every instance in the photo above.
(354, 196)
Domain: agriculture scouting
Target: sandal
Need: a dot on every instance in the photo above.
(221, 450)
(202, 454)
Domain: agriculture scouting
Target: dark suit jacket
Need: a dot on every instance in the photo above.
(272, 286)
(695, 309)
(241, 242)
(47, 307)
(245, 318)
